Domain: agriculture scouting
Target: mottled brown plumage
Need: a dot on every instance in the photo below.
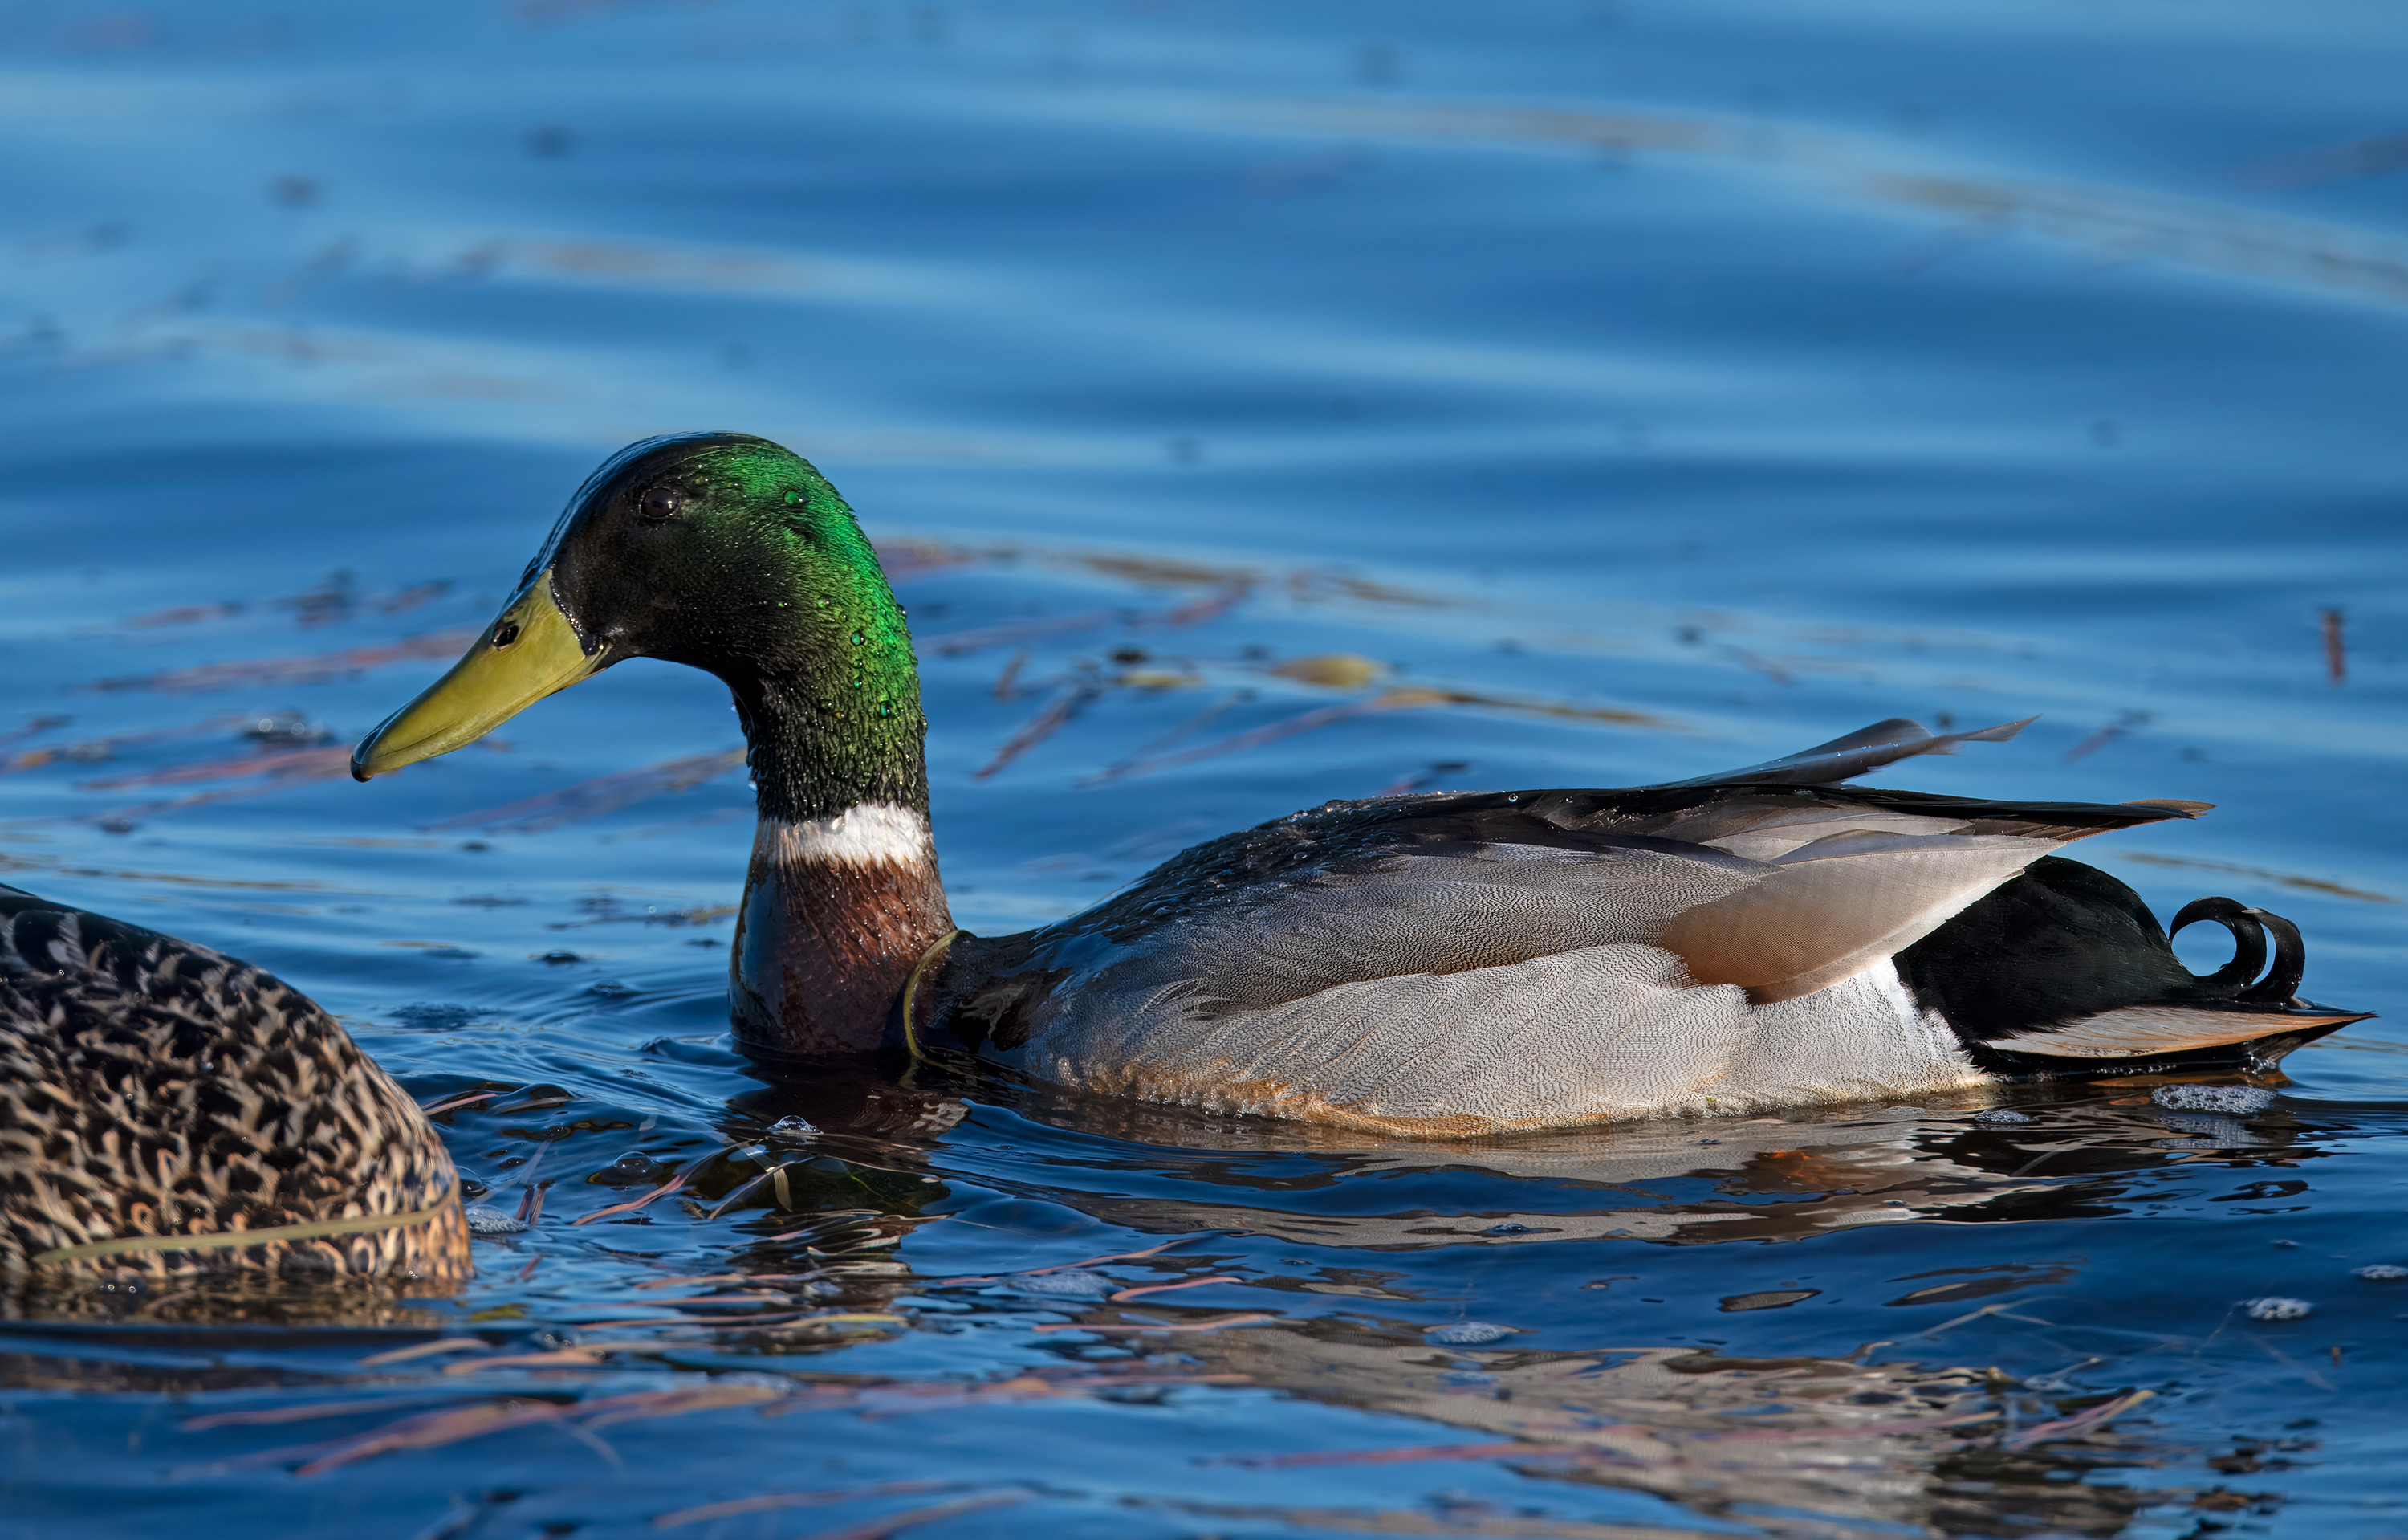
(150, 1086)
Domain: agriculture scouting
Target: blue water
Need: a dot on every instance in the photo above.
(1645, 390)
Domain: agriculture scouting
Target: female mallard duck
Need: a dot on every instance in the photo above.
(166, 1109)
(1436, 965)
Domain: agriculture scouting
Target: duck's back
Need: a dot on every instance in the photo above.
(149, 1087)
(1459, 964)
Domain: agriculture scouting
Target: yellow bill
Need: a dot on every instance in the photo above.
(529, 651)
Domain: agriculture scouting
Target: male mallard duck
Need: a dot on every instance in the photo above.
(158, 1098)
(1441, 964)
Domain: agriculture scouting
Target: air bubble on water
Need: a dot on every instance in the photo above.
(635, 1167)
(2223, 1099)
(2205, 1131)
(2003, 1114)
(2276, 1307)
(793, 1128)
(492, 1221)
(1467, 1333)
(2380, 1272)
(1072, 1283)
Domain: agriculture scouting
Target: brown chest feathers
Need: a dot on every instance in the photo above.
(835, 913)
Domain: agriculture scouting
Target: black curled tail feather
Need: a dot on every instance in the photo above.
(2281, 985)
(2238, 980)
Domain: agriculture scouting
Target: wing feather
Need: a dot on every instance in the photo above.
(1834, 907)
(1866, 749)
(1423, 910)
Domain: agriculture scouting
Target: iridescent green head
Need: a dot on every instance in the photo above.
(730, 554)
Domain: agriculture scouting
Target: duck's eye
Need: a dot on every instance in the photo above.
(660, 502)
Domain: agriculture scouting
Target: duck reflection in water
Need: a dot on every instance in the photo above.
(1828, 1169)
(1895, 1432)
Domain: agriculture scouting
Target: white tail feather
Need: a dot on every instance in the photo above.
(2149, 1032)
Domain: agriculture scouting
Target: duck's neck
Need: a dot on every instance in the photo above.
(842, 897)
(836, 912)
